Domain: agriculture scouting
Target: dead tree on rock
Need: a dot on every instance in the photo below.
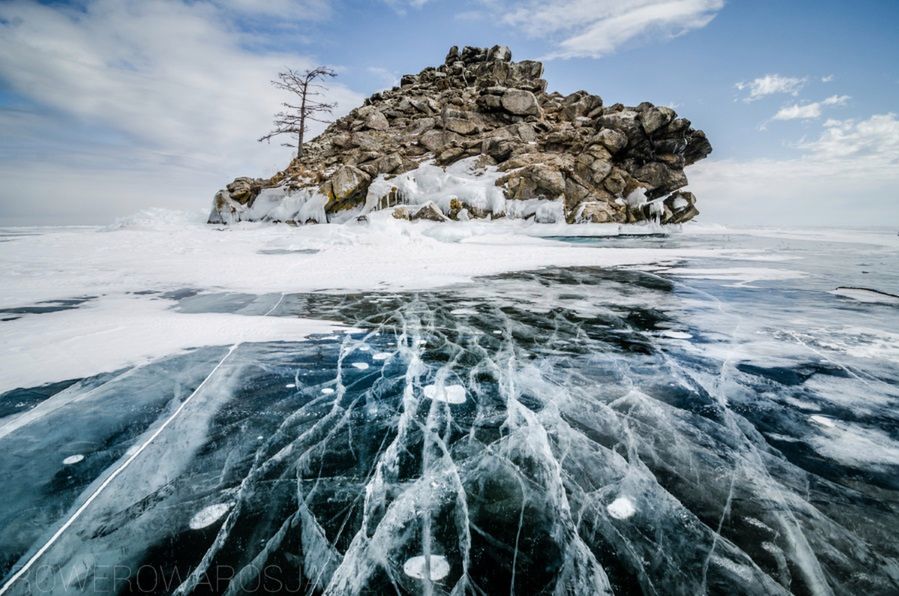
(294, 120)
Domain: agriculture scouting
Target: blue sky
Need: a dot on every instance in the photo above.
(111, 106)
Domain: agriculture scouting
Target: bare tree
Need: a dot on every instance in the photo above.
(294, 119)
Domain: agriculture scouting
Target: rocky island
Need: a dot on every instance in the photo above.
(480, 137)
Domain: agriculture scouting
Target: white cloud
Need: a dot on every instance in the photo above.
(399, 6)
(387, 77)
(809, 111)
(842, 177)
(771, 84)
(871, 143)
(596, 28)
(173, 81)
(827, 78)
(310, 10)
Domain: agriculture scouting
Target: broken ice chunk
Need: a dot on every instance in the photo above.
(415, 567)
(621, 508)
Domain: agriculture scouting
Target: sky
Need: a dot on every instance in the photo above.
(108, 107)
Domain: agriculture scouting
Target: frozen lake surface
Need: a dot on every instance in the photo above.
(478, 408)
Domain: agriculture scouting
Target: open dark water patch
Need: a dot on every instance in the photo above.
(569, 431)
(47, 306)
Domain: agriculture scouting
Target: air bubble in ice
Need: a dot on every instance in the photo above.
(361, 365)
(208, 515)
(381, 356)
(73, 459)
(676, 334)
(451, 394)
(327, 390)
(822, 420)
(621, 508)
(415, 567)
(291, 386)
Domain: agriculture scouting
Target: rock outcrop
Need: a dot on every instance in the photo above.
(599, 163)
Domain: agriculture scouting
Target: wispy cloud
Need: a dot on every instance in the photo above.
(401, 6)
(873, 141)
(309, 10)
(387, 77)
(174, 84)
(771, 84)
(596, 28)
(849, 167)
(827, 78)
(809, 111)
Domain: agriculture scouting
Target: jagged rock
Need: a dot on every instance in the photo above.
(597, 212)
(680, 207)
(243, 190)
(374, 119)
(536, 180)
(429, 211)
(520, 102)
(611, 139)
(461, 126)
(346, 185)
(479, 103)
(500, 54)
(655, 118)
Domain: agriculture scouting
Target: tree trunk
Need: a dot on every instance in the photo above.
(302, 121)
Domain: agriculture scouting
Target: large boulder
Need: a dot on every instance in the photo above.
(345, 188)
(534, 181)
(520, 102)
(499, 54)
(243, 190)
(373, 118)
